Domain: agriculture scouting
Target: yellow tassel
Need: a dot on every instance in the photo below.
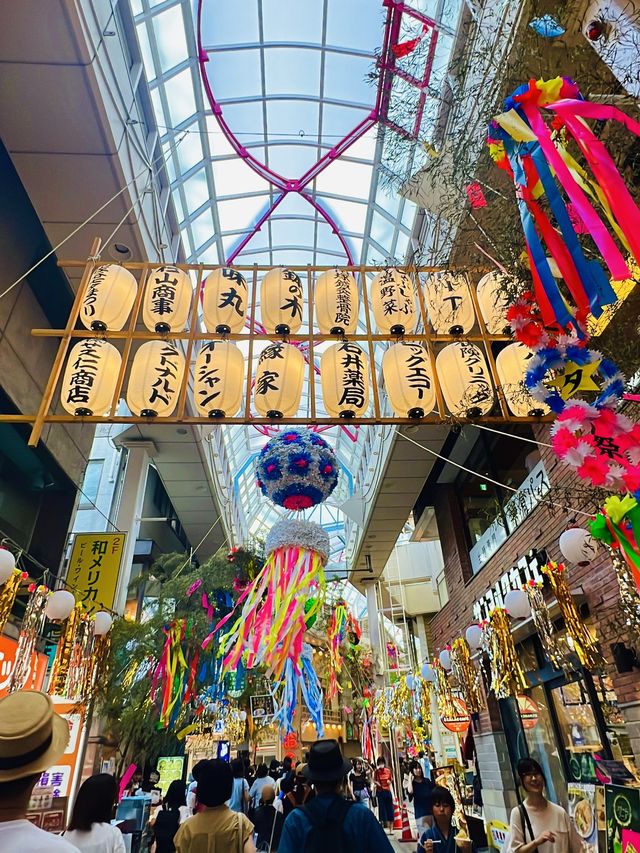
(466, 675)
(8, 594)
(62, 659)
(507, 675)
(584, 644)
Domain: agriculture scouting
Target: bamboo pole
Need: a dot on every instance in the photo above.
(252, 331)
(129, 338)
(193, 323)
(372, 356)
(312, 367)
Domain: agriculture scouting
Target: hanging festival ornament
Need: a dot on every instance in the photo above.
(281, 302)
(7, 564)
(507, 676)
(80, 663)
(427, 673)
(577, 546)
(473, 636)
(511, 366)
(90, 378)
(154, 381)
(224, 301)
(445, 658)
(30, 630)
(449, 303)
(10, 585)
(307, 681)
(167, 300)
(336, 303)
(279, 379)
(618, 526)
(109, 298)
(344, 373)
(102, 622)
(555, 648)
(393, 302)
(446, 706)
(465, 380)
(218, 380)
(629, 602)
(64, 649)
(493, 300)
(516, 603)
(466, 675)
(60, 605)
(270, 614)
(408, 380)
(297, 469)
(170, 674)
(584, 644)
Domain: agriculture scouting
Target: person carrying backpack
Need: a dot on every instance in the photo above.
(167, 818)
(329, 822)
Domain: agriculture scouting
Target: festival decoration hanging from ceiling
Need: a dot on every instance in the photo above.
(618, 526)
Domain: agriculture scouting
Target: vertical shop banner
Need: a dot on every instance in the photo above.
(94, 567)
(60, 779)
(622, 807)
(170, 769)
(37, 669)
(584, 814)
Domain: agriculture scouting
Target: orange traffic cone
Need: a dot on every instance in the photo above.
(397, 820)
(407, 835)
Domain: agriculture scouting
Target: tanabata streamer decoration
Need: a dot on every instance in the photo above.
(584, 644)
(531, 150)
(30, 630)
(306, 679)
(547, 27)
(297, 469)
(629, 602)
(443, 690)
(507, 676)
(466, 675)
(60, 668)
(618, 526)
(343, 626)
(80, 667)
(556, 651)
(174, 678)
(270, 614)
(8, 593)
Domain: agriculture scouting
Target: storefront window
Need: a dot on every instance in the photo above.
(538, 732)
(578, 730)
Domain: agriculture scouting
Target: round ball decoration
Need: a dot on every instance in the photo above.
(102, 623)
(445, 659)
(297, 469)
(7, 565)
(411, 682)
(516, 603)
(428, 672)
(60, 605)
(578, 546)
(473, 636)
(298, 534)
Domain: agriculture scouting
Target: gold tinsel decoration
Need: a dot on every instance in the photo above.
(446, 707)
(466, 675)
(62, 660)
(8, 594)
(99, 664)
(584, 644)
(422, 692)
(80, 661)
(401, 712)
(31, 628)
(554, 648)
(629, 596)
(507, 675)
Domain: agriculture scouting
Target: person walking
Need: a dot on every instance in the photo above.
(443, 836)
(239, 801)
(300, 792)
(268, 821)
(359, 783)
(384, 793)
(216, 829)
(262, 779)
(167, 817)
(420, 790)
(536, 824)
(329, 822)
(90, 828)
(32, 739)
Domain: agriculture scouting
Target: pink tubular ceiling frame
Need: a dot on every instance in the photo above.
(387, 67)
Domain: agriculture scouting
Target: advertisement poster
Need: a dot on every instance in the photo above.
(262, 707)
(584, 814)
(622, 806)
(170, 768)
(94, 567)
(37, 671)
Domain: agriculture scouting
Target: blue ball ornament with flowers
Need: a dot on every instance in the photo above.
(297, 469)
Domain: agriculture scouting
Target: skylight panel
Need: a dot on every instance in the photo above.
(365, 147)
(145, 50)
(345, 78)
(196, 190)
(349, 215)
(234, 177)
(235, 73)
(342, 178)
(222, 23)
(292, 161)
(240, 213)
(171, 40)
(382, 230)
(292, 71)
(202, 228)
(245, 120)
(360, 28)
(180, 97)
(293, 231)
(218, 145)
(189, 152)
(303, 21)
(338, 121)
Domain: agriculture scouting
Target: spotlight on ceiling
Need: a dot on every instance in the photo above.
(120, 252)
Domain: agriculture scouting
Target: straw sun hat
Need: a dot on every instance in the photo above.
(32, 735)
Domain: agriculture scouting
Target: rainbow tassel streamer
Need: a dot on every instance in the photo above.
(311, 691)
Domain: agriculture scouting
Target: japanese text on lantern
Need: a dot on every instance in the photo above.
(417, 367)
(167, 369)
(344, 305)
(293, 303)
(94, 568)
(163, 295)
(233, 297)
(353, 376)
(479, 385)
(266, 381)
(85, 371)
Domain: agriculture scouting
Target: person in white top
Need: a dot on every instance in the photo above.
(90, 829)
(536, 824)
(32, 739)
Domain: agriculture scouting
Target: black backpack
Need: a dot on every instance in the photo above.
(327, 827)
(165, 828)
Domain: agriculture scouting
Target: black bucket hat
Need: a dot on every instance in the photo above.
(326, 763)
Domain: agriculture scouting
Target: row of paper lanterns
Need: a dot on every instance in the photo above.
(168, 293)
(157, 370)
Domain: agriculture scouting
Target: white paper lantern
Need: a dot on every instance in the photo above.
(90, 378)
(465, 380)
(167, 300)
(445, 659)
(108, 299)
(578, 546)
(218, 380)
(243, 715)
(344, 373)
(516, 603)
(279, 377)
(393, 302)
(494, 301)
(224, 301)
(411, 682)
(408, 380)
(473, 636)
(511, 366)
(428, 672)
(281, 302)
(102, 622)
(449, 303)
(336, 303)
(60, 605)
(7, 565)
(154, 381)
